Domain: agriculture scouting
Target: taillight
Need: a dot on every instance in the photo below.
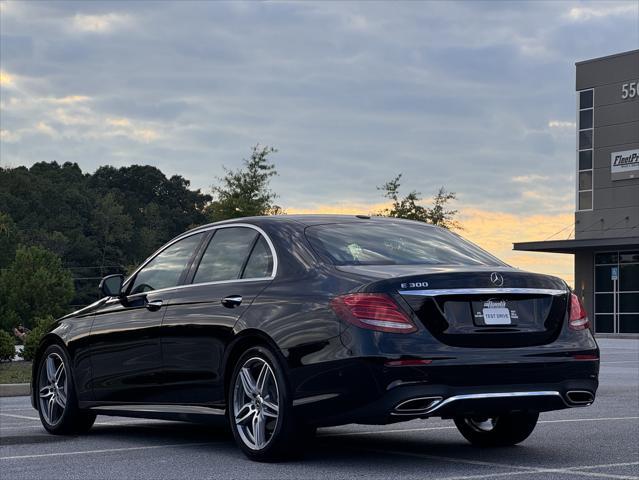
(578, 317)
(373, 311)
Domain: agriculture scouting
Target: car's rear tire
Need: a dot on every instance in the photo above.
(56, 398)
(260, 407)
(504, 430)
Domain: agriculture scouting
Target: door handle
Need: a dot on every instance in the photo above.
(154, 305)
(232, 301)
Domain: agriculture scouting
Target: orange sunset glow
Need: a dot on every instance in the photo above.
(494, 231)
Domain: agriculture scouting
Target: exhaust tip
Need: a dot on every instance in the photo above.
(416, 406)
(580, 397)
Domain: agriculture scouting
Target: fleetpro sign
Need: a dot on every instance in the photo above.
(624, 165)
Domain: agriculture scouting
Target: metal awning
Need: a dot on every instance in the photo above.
(572, 246)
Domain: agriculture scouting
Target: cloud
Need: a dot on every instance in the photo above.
(9, 136)
(6, 80)
(104, 23)
(532, 178)
(469, 95)
(46, 129)
(562, 124)
(602, 10)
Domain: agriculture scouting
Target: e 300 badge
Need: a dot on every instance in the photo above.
(414, 285)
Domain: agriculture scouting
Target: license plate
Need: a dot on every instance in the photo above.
(496, 316)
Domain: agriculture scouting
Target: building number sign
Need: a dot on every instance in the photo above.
(629, 90)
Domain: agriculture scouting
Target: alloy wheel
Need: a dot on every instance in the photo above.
(52, 388)
(481, 424)
(256, 403)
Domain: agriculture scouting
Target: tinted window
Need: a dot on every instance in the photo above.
(585, 180)
(165, 269)
(585, 200)
(394, 243)
(225, 255)
(585, 99)
(585, 139)
(260, 263)
(585, 160)
(585, 119)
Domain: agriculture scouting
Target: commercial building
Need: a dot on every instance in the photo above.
(606, 243)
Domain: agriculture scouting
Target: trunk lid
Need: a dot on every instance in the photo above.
(476, 306)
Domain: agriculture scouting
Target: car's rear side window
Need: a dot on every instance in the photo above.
(260, 263)
(225, 255)
(395, 243)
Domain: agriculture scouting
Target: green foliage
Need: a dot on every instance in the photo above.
(34, 284)
(245, 192)
(8, 239)
(97, 223)
(42, 326)
(409, 206)
(7, 346)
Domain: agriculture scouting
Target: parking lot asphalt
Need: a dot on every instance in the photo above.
(600, 441)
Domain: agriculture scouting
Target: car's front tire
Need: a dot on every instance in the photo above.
(504, 430)
(56, 397)
(260, 407)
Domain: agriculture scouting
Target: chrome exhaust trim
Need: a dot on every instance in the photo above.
(579, 398)
(416, 406)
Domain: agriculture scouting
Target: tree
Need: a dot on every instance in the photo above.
(7, 346)
(245, 192)
(409, 206)
(34, 285)
(111, 227)
(8, 239)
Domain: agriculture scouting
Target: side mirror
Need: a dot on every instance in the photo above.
(111, 285)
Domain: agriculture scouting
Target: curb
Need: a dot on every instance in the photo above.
(15, 389)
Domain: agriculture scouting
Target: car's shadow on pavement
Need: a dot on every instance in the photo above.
(358, 450)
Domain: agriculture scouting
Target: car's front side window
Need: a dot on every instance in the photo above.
(225, 255)
(165, 269)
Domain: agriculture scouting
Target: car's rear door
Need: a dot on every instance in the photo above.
(236, 265)
(124, 341)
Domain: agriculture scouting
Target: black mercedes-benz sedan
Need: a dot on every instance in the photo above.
(287, 323)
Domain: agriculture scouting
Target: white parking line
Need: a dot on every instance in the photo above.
(18, 416)
(374, 432)
(106, 450)
(519, 469)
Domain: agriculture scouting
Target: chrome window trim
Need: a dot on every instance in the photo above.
(202, 230)
(480, 291)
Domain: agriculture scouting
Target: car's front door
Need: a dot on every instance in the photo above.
(125, 337)
(236, 265)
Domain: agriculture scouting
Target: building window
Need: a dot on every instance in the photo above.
(585, 145)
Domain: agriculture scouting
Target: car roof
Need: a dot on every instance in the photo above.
(307, 220)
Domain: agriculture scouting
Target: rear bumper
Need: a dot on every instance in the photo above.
(366, 391)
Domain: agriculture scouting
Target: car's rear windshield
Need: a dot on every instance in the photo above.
(395, 243)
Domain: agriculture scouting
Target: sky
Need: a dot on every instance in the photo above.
(474, 96)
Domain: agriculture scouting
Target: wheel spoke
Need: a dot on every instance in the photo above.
(247, 381)
(59, 373)
(60, 400)
(51, 406)
(259, 430)
(270, 409)
(46, 392)
(51, 370)
(245, 413)
(261, 379)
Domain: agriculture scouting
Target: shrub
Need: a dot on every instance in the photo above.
(7, 346)
(42, 327)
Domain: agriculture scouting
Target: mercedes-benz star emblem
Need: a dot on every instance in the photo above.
(497, 279)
